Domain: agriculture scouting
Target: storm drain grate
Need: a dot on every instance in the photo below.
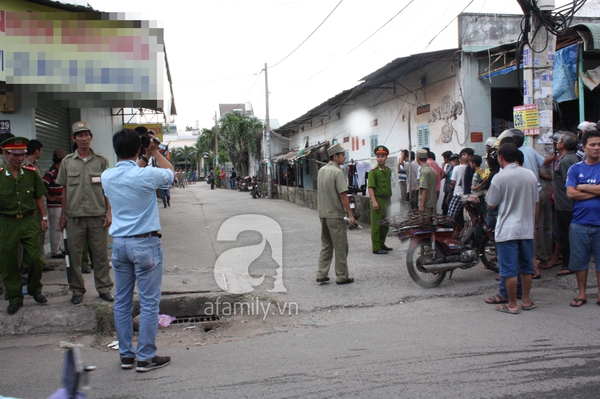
(196, 319)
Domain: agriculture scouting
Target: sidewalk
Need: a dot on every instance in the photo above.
(191, 242)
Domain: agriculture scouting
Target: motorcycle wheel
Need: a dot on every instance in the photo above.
(417, 272)
(254, 193)
(489, 254)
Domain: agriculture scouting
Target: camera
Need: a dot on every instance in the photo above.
(143, 132)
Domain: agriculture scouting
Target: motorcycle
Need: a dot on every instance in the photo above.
(255, 188)
(433, 251)
(244, 183)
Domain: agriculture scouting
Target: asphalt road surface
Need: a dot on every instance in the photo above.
(381, 337)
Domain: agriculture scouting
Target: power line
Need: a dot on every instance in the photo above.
(304, 41)
(381, 27)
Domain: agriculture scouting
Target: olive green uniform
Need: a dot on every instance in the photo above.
(380, 180)
(86, 211)
(38, 216)
(334, 238)
(18, 224)
(428, 180)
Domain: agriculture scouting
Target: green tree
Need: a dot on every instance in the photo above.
(240, 135)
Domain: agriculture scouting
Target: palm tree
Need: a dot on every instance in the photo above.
(240, 135)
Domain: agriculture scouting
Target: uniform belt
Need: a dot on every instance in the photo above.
(147, 235)
(382, 196)
(18, 215)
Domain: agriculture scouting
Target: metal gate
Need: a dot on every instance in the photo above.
(53, 130)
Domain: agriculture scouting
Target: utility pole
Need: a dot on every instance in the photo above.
(538, 63)
(216, 141)
(268, 136)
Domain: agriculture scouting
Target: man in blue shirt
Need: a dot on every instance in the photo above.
(583, 188)
(137, 254)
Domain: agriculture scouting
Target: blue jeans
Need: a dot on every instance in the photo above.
(584, 242)
(137, 259)
(232, 184)
(515, 257)
(166, 196)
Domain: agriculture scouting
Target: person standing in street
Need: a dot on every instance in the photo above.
(137, 255)
(583, 188)
(232, 177)
(34, 153)
(211, 178)
(563, 206)
(333, 205)
(85, 213)
(53, 200)
(25, 192)
(427, 183)
(514, 192)
(380, 192)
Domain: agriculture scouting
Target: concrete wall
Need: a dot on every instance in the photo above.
(22, 122)
(103, 127)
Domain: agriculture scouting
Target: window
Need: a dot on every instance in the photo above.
(373, 143)
(423, 136)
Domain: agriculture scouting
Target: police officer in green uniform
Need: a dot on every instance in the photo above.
(21, 193)
(380, 192)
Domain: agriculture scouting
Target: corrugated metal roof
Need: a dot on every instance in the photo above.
(389, 73)
(287, 156)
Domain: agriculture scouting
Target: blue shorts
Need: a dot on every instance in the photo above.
(515, 257)
(584, 242)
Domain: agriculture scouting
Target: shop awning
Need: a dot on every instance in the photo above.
(288, 156)
(305, 152)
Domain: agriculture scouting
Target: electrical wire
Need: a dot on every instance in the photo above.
(312, 33)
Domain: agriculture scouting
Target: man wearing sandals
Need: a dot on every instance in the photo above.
(583, 188)
(514, 192)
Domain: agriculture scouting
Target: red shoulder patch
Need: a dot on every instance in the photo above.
(32, 168)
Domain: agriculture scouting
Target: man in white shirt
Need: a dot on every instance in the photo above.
(514, 192)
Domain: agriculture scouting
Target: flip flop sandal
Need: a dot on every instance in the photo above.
(564, 272)
(536, 277)
(505, 309)
(576, 303)
(530, 307)
(496, 300)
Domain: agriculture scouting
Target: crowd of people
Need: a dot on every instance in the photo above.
(86, 200)
(544, 209)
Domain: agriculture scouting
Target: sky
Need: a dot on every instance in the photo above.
(217, 49)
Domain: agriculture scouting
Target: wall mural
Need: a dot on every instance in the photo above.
(447, 111)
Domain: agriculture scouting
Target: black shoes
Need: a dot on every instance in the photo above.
(348, 281)
(127, 362)
(86, 270)
(59, 256)
(380, 252)
(108, 297)
(156, 363)
(386, 248)
(39, 298)
(76, 299)
(323, 280)
(14, 307)
(48, 268)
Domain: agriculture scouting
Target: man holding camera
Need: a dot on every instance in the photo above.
(137, 254)
(85, 213)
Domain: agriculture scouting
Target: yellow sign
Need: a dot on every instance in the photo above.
(157, 127)
(526, 119)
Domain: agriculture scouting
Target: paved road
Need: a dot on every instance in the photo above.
(383, 336)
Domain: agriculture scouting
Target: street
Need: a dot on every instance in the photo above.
(382, 337)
